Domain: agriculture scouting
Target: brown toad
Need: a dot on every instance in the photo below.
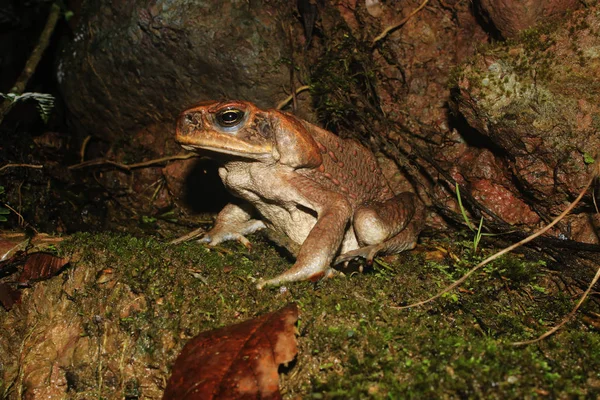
(325, 193)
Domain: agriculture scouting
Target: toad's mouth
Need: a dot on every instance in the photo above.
(229, 151)
(229, 145)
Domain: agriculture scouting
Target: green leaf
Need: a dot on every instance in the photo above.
(45, 101)
(477, 237)
(587, 159)
(462, 209)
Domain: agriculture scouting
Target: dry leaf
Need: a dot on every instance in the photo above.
(237, 361)
(40, 266)
(36, 266)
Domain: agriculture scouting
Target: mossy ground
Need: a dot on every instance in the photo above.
(353, 343)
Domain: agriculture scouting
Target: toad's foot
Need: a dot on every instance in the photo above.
(220, 234)
(213, 241)
(293, 276)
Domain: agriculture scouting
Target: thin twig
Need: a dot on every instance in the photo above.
(285, 101)
(34, 58)
(567, 318)
(595, 203)
(391, 28)
(579, 303)
(189, 236)
(129, 167)
(83, 148)
(22, 221)
(7, 166)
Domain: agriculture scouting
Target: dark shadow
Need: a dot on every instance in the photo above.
(287, 368)
(483, 19)
(204, 190)
(473, 137)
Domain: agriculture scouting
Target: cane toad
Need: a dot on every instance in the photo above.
(325, 193)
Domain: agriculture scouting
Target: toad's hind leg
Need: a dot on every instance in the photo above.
(386, 228)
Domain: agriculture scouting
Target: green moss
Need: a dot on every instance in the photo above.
(454, 76)
(343, 83)
(353, 342)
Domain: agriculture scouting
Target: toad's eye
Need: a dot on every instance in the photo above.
(229, 118)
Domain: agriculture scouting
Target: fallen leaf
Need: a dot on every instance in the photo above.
(237, 361)
(40, 266)
(439, 254)
(12, 242)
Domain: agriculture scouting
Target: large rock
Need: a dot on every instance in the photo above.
(136, 62)
(535, 105)
(538, 101)
(511, 17)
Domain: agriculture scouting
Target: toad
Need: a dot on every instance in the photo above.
(325, 193)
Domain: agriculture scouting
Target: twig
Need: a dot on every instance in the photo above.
(129, 167)
(594, 200)
(579, 303)
(34, 59)
(7, 166)
(84, 147)
(391, 28)
(567, 318)
(285, 101)
(189, 236)
(22, 221)
(528, 239)
(292, 67)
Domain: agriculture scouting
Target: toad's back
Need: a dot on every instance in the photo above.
(347, 168)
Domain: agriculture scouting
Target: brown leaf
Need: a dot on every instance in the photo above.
(9, 296)
(40, 266)
(237, 361)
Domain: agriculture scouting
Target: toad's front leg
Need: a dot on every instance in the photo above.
(232, 223)
(320, 247)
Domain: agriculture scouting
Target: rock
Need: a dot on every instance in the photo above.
(133, 62)
(511, 17)
(520, 138)
(538, 102)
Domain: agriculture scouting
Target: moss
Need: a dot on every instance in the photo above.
(353, 342)
(454, 76)
(343, 83)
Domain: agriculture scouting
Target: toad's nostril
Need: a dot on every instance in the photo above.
(189, 122)
(190, 118)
